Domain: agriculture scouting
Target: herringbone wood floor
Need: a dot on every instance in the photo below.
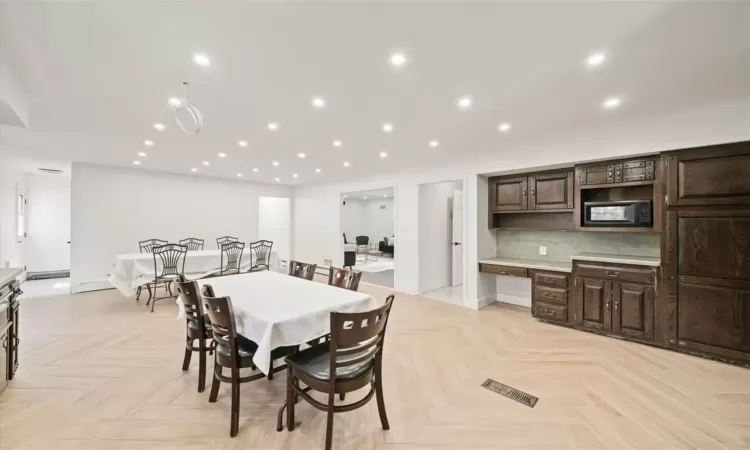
(99, 372)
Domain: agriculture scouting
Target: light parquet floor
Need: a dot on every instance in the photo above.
(99, 372)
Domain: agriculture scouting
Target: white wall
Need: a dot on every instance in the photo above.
(113, 208)
(317, 224)
(365, 218)
(274, 224)
(12, 182)
(352, 218)
(435, 234)
(48, 223)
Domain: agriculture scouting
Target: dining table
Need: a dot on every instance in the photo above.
(277, 310)
(132, 270)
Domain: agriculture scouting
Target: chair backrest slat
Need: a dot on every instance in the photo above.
(190, 296)
(192, 244)
(302, 270)
(260, 253)
(148, 245)
(224, 239)
(346, 279)
(358, 337)
(170, 255)
(231, 257)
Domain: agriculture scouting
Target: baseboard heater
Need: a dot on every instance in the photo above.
(48, 275)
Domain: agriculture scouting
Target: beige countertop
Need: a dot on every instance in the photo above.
(555, 266)
(618, 259)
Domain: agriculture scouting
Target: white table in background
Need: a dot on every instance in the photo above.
(276, 310)
(136, 269)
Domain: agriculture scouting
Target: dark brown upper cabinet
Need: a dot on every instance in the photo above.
(714, 175)
(553, 191)
(543, 192)
(509, 194)
(617, 172)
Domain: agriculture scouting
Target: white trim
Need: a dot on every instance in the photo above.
(485, 301)
(514, 300)
(90, 286)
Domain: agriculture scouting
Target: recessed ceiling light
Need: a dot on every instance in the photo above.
(141, 154)
(611, 103)
(434, 144)
(277, 179)
(159, 126)
(346, 164)
(275, 163)
(255, 169)
(242, 143)
(148, 143)
(301, 155)
(193, 169)
(365, 197)
(222, 155)
(383, 155)
(337, 143)
(387, 127)
(397, 59)
(239, 175)
(464, 102)
(273, 126)
(345, 195)
(318, 102)
(317, 170)
(294, 175)
(174, 101)
(202, 59)
(137, 163)
(503, 127)
(206, 163)
(595, 59)
(385, 196)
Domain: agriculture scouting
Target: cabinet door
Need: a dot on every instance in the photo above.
(713, 175)
(551, 191)
(508, 194)
(593, 298)
(633, 310)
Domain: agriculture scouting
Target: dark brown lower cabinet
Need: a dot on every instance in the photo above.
(549, 296)
(633, 310)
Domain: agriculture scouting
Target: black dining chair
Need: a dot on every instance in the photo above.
(231, 257)
(192, 244)
(260, 255)
(172, 257)
(197, 327)
(352, 360)
(302, 270)
(146, 247)
(225, 239)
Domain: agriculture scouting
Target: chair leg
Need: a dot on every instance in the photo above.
(153, 302)
(289, 399)
(270, 370)
(169, 288)
(342, 396)
(379, 395)
(215, 384)
(234, 426)
(188, 355)
(329, 422)
(138, 294)
(202, 365)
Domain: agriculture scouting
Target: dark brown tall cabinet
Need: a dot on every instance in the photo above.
(706, 250)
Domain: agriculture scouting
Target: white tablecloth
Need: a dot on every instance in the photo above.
(136, 269)
(276, 310)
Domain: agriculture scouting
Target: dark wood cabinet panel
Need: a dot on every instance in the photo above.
(714, 318)
(509, 194)
(714, 244)
(637, 170)
(550, 295)
(633, 310)
(555, 313)
(612, 272)
(551, 191)
(718, 174)
(594, 302)
(510, 271)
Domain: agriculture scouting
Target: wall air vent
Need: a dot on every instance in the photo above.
(382, 206)
(50, 171)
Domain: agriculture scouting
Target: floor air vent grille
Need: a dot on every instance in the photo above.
(512, 393)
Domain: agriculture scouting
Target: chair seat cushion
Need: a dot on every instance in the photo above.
(245, 347)
(315, 361)
(193, 324)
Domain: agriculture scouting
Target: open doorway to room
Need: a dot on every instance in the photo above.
(368, 234)
(441, 246)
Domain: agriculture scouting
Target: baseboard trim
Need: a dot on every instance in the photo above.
(90, 286)
(485, 301)
(514, 300)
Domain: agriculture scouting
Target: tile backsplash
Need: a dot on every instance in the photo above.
(561, 244)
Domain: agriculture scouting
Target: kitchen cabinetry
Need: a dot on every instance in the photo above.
(549, 295)
(9, 304)
(542, 192)
(615, 299)
(509, 194)
(627, 171)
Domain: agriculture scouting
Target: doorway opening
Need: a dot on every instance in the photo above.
(441, 241)
(368, 235)
(274, 224)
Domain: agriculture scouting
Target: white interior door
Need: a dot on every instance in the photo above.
(274, 224)
(458, 232)
(48, 223)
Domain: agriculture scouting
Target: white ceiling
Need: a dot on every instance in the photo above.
(372, 194)
(99, 74)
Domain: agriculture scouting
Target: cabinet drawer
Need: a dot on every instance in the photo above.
(551, 279)
(551, 295)
(504, 270)
(550, 312)
(633, 274)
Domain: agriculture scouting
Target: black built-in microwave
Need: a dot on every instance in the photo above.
(624, 213)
